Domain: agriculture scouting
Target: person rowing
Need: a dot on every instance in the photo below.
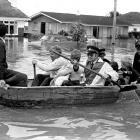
(51, 69)
(94, 62)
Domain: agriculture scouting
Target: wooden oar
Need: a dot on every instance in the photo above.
(122, 89)
(34, 67)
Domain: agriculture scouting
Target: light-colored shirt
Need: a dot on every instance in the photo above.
(106, 71)
(72, 74)
(54, 67)
(68, 73)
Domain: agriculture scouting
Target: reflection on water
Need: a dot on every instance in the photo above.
(105, 122)
(120, 121)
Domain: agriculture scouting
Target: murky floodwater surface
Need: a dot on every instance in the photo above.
(118, 121)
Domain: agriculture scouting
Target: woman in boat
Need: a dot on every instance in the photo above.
(70, 75)
(10, 77)
(125, 72)
(95, 63)
(136, 63)
(51, 69)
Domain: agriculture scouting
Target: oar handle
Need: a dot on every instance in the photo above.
(34, 67)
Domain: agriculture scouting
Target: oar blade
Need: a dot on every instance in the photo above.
(128, 88)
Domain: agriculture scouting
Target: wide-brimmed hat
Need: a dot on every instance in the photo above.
(56, 49)
(92, 49)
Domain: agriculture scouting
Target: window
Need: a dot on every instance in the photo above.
(7, 28)
(135, 29)
(6, 22)
(11, 22)
(11, 29)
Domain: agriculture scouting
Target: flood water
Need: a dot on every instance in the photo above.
(118, 121)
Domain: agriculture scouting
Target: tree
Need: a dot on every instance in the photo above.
(111, 14)
(78, 33)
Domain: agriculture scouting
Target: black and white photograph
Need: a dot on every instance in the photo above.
(69, 70)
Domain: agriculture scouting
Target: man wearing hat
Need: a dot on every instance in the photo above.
(95, 63)
(102, 55)
(51, 69)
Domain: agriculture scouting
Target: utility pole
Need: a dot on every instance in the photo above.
(114, 29)
(78, 17)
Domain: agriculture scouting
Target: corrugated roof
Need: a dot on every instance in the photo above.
(64, 17)
(131, 17)
(12, 13)
(7, 10)
(85, 19)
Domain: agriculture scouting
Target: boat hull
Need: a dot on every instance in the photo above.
(57, 96)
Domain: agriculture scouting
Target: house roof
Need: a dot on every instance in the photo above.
(131, 17)
(84, 19)
(7, 10)
(101, 20)
(15, 13)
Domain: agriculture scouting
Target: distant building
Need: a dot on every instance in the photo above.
(134, 28)
(133, 18)
(97, 26)
(13, 18)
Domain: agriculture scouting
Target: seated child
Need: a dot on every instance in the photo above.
(70, 75)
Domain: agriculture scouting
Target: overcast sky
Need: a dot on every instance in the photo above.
(89, 7)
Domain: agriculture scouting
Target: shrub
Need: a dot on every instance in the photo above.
(78, 33)
(64, 33)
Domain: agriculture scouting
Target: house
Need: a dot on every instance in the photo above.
(13, 18)
(97, 26)
(134, 20)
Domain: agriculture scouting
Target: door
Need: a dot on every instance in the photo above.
(20, 31)
(96, 31)
(43, 27)
(11, 29)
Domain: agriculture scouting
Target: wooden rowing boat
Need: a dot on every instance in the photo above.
(58, 96)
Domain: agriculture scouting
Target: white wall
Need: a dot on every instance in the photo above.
(135, 26)
(20, 24)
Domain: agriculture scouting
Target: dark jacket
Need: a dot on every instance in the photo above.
(3, 63)
(136, 66)
(136, 63)
(90, 75)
